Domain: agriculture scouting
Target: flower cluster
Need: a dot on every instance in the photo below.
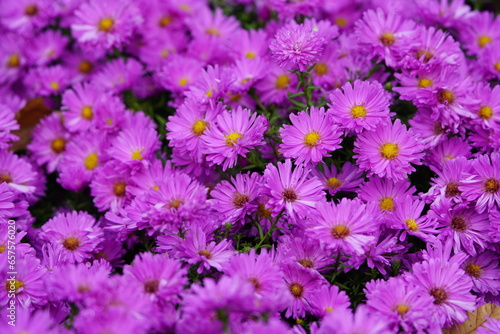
(195, 166)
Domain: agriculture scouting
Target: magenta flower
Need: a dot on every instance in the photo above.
(305, 251)
(291, 190)
(297, 46)
(310, 137)
(483, 186)
(388, 151)
(345, 227)
(234, 133)
(348, 179)
(485, 272)
(76, 232)
(385, 192)
(329, 299)
(447, 182)
(360, 106)
(157, 276)
(79, 107)
(236, 198)
(7, 124)
(109, 187)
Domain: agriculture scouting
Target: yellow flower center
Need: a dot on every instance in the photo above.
(2, 249)
(402, 309)
(306, 263)
(119, 189)
(424, 83)
(445, 96)
(183, 82)
(387, 204)
(311, 139)
(340, 231)
(497, 66)
(412, 224)
(333, 183)
(427, 55)
(297, 290)
(106, 24)
(492, 185)
(85, 67)
(136, 155)
(54, 85)
(205, 253)
(87, 113)
(250, 55)
(321, 69)
(14, 61)
(389, 151)
(213, 31)
(199, 127)
(282, 81)
(5, 178)
(358, 111)
(387, 39)
(485, 112)
(13, 285)
(473, 270)
(232, 138)
(91, 161)
(263, 212)
(175, 204)
(71, 243)
(340, 21)
(58, 145)
(165, 21)
(209, 93)
(483, 40)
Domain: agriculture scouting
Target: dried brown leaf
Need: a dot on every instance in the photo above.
(28, 117)
(475, 320)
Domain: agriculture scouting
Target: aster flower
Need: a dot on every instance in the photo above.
(179, 73)
(76, 232)
(236, 198)
(303, 250)
(488, 113)
(446, 150)
(25, 16)
(344, 227)
(276, 85)
(7, 124)
(302, 285)
(407, 217)
(381, 33)
(27, 321)
(462, 225)
(363, 321)
(489, 61)
(47, 81)
(49, 141)
(211, 84)
(448, 285)
(248, 44)
(47, 47)
(297, 46)
(20, 175)
(109, 187)
(430, 131)
(402, 303)
(481, 28)
(447, 182)
(233, 134)
(444, 13)
(360, 106)
(212, 24)
(12, 59)
(79, 106)
(490, 326)
(310, 137)
(105, 24)
(388, 151)
(156, 275)
(347, 179)
(484, 271)
(291, 190)
(196, 249)
(118, 75)
(483, 186)
(385, 192)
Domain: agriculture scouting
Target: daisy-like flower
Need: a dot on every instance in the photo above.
(305, 251)
(310, 137)
(363, 321)
(360, 106)
(118, 75)
(402, 303)
(344, 227)
(348, 179)
(236, 198)
(380, 34)
(19, 174)
(196, 249)
(447, 182)
(297, 46)
(49, 141)
(76, 232)
(329, 299)
(28, 321)
(449, 286)
(105, 24)
(109, 187)
(462, 225)
(291, 190)
(492, 325)
(407, 218)
(447, 150)
(481, 29)
(488, 113)
(8, 123)
(276, 85)
(179, 73)
(385, 192)
(79, 106)
(208, 24)
(234, 133)
(47, 47)
(484, 271)
(302, 284)
(47, 81)
(388, 151)
(483, 186)
(135, 146)
(157, 276)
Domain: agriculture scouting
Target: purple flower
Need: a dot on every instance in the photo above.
(109, 187)
(388, 151)
(310, 137)
(385, 192)
(76, 232)
(484, 271)
(297, 46)
(329, 299)
(233, 134)
(360, 106)
(348, 179)
(291, 190)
